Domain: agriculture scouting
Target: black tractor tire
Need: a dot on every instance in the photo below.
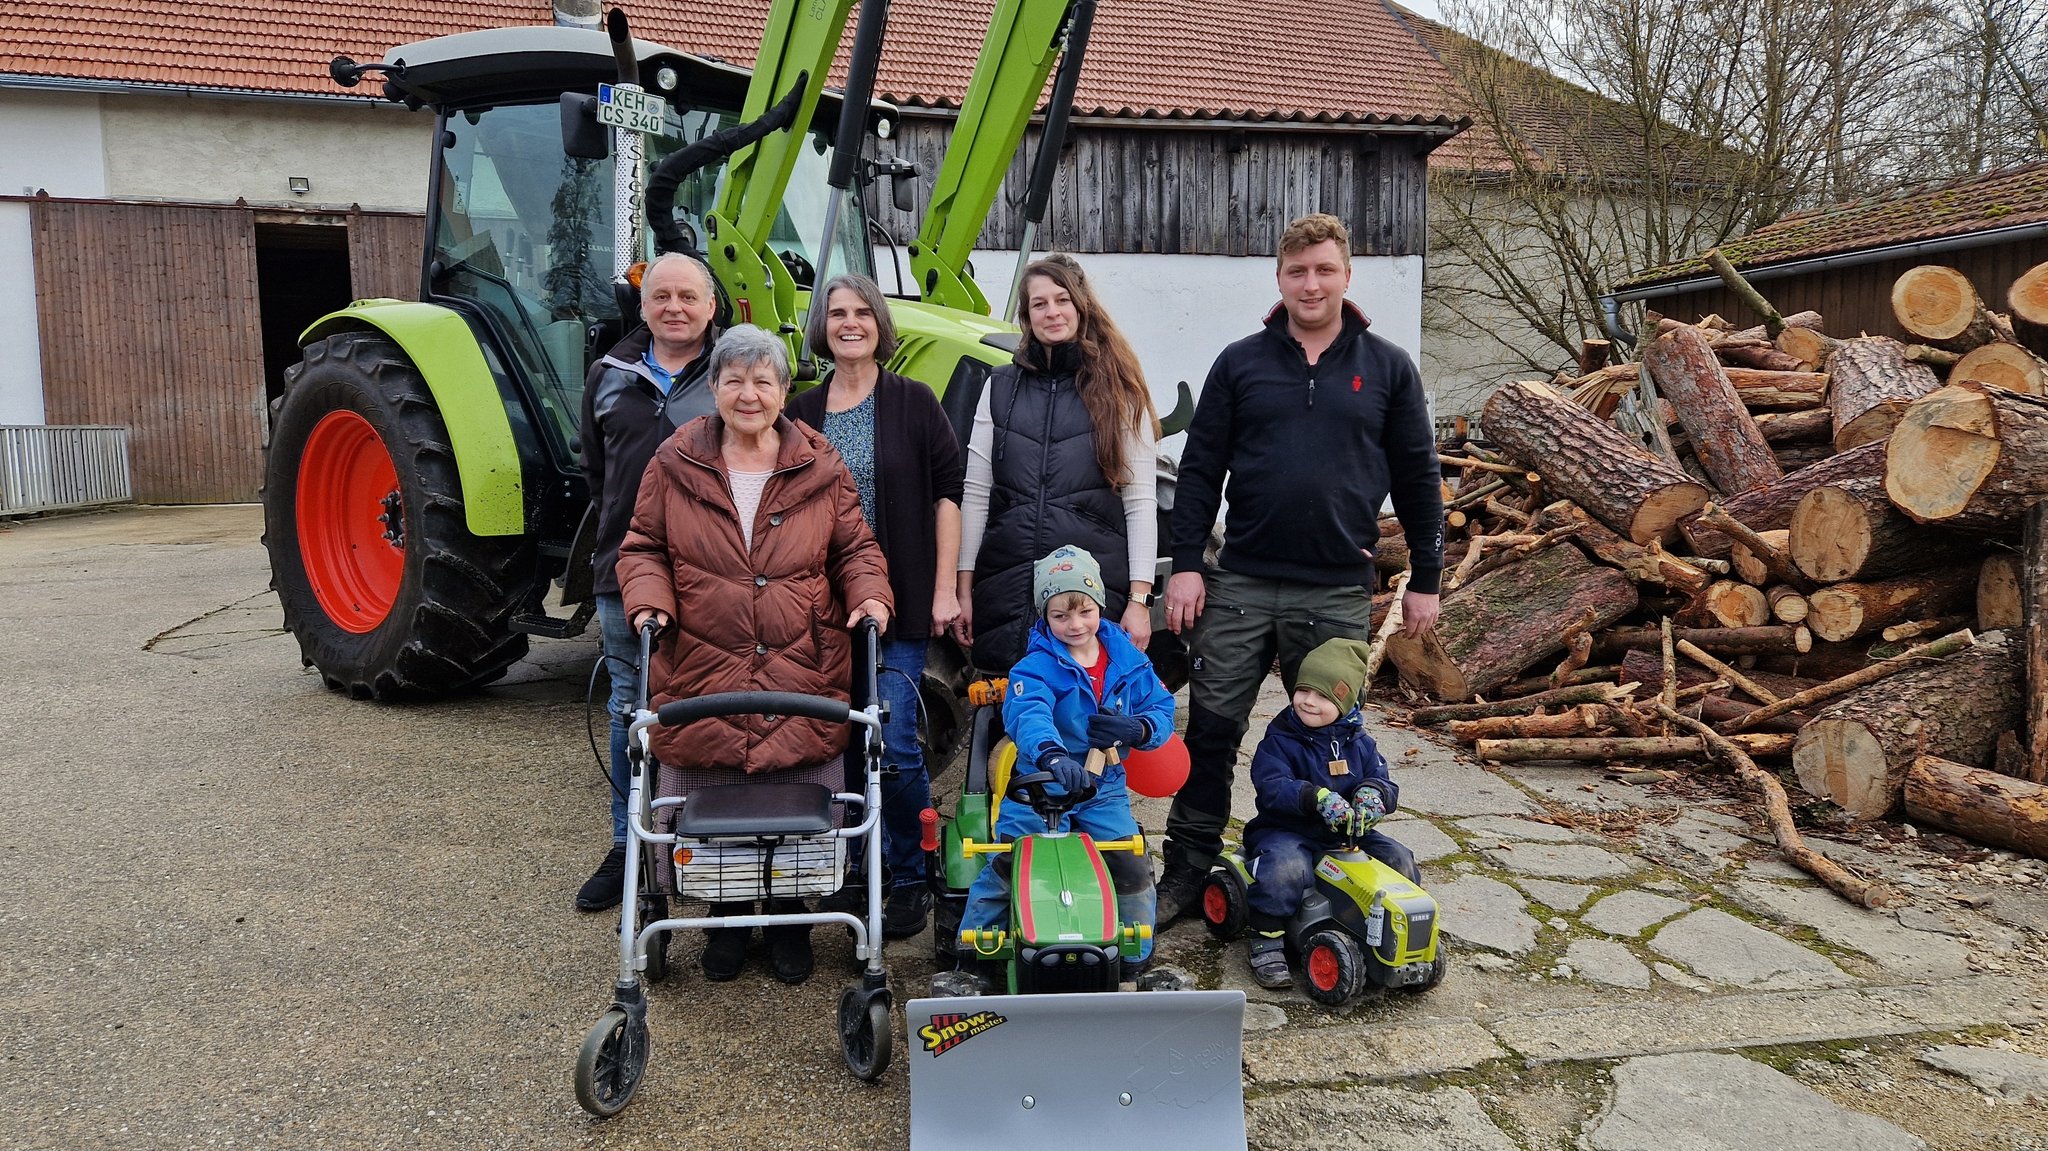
(453, 596)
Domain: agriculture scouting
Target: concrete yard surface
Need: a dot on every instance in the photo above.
(243, 910)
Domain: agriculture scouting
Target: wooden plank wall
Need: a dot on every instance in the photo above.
(1191, 191)
(1859, 299)
(148, 319)
(384, 254)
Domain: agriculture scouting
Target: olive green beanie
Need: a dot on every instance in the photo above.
(1336, 669)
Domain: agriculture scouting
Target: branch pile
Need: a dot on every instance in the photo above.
(1815, 547)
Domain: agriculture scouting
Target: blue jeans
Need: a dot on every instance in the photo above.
(622, 662)
(1282, 865)
(907, 792)
(1106, 816)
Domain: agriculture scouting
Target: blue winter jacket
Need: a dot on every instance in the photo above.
(1050, 697)
(1293, 763)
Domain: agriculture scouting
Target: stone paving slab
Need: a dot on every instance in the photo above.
(1456, 789)
(1425, 839)
(1763, 1019)
(1605, 961)
(1376, 1052)
(2009, 1074)
(1372, 1119)
(1690, 844)
(1554, 895)
(1706, 1102)
(1720, 947)
(1486, 912)
(1630, 913)
(1562, 861)
(1509, 827)
(1915, 954)
(1586, 788)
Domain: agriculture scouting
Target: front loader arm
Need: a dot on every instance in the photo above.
(1009, 76)
(797, 48)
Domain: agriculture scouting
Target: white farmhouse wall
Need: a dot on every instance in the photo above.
(1180, 311)
(49, 142)
(21, 361)
(218, 151)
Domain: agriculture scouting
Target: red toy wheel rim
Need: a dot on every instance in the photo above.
(351, 522)
(1215, 903)
(1322, 968)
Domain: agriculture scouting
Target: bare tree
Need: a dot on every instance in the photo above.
(1617, 135)
(1981, 101)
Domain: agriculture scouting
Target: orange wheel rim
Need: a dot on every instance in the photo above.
(351, 520)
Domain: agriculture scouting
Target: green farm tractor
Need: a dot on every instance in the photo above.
(424, 508)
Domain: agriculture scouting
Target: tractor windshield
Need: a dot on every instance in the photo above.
(525, 233)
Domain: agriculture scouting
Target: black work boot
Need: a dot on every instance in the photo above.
(1180, 885)
(908, 910)
(789, 945)
(725, 948)
(602, 890)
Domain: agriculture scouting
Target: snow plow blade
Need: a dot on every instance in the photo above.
(1130, 1069)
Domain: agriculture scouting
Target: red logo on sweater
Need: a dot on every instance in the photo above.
(1357, 382)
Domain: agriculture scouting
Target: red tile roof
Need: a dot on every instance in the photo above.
(1222, 59)
(2001, 199)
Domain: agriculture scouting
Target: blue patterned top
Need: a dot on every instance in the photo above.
(852, 434)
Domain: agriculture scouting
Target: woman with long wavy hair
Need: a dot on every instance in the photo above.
(1062, 451)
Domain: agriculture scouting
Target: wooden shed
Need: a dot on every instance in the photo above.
(1842, 261)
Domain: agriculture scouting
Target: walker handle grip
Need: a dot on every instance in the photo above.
(678, 712)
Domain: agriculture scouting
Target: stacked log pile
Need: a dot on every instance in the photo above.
(1824, 548)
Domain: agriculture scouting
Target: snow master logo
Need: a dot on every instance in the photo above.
(945, 1032)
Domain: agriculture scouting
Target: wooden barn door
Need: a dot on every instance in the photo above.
(149, 319)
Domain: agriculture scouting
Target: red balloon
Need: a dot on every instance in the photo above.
(1158, 773)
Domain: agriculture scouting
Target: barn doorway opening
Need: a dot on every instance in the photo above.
(302, 273)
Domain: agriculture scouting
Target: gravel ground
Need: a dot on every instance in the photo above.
(243, 910)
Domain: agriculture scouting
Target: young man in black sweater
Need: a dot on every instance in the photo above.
(1314, 421)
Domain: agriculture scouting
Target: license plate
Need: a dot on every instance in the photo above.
(630, 110)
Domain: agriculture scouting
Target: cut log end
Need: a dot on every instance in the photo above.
(1941, 453)
(1657, 517)
(1830, 535)
(1935, 302)
(2003, 365)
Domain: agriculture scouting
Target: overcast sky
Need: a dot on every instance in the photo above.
(1424, 8)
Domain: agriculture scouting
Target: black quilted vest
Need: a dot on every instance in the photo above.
(1047, 491)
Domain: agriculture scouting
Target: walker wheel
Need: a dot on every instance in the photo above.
(609, 1066)
(864, 1034)
(1336, 968)
(1225, 907)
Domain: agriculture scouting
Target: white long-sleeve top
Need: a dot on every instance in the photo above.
(1140, 495)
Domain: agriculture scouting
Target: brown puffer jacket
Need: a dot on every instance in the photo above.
(772, 620)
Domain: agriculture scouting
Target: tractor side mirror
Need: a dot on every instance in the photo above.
(582, 136)
(901, 173)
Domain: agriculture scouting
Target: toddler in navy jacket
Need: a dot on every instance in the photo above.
(1321, 783)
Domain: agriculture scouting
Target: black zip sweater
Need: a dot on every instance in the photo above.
(1311, 452)
(625, 417)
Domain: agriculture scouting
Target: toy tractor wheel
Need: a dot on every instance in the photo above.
(1226, 907)
(1336, 967)
(610, 1063)
(386, 590)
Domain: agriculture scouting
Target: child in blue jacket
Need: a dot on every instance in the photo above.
(1321, 781)
(1082, 684)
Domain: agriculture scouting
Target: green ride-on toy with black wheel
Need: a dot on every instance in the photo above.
(1362, 924)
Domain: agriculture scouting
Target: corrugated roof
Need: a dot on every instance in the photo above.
(1196, 59)
(2000, 199)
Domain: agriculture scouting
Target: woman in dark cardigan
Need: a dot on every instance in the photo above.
(900, 448)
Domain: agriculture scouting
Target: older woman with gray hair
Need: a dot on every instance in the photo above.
(749, 552)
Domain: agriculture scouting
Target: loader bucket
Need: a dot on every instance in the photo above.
(1124, 1069)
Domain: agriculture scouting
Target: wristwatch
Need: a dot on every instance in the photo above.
(1146, 600)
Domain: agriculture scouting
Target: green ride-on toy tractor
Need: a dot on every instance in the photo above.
(1362, 925)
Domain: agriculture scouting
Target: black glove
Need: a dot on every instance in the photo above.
(1106, 729)
(1066, 771)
